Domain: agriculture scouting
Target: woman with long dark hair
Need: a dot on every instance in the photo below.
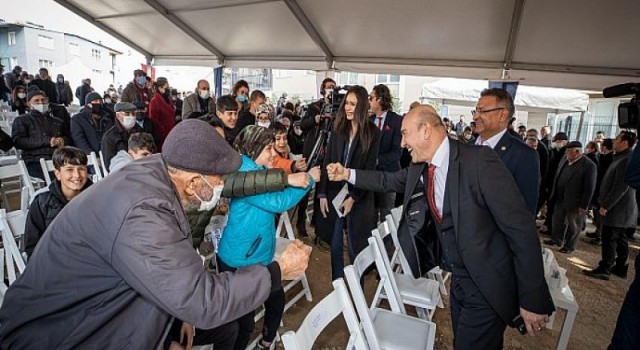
(354, 143)
(161, 110)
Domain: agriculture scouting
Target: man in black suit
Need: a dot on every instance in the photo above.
(390, 151)
(573, 186)
(618, 211)
(543, 155)
(488, 236)
(493, 112)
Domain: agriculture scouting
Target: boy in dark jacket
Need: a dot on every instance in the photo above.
(71, 178)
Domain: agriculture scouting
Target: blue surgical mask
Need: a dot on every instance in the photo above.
(241, 98)
(142, 80)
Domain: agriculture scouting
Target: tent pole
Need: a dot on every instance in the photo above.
(580, 125)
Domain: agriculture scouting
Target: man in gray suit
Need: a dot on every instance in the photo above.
(573, 186)
(618, 211)
(199, 103)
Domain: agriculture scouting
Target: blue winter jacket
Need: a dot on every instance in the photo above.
(250, 235)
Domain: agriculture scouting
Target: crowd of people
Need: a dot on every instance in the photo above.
(471, 194)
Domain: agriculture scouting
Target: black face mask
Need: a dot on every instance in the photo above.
(139, 116)
(167, 95)
(96, 109)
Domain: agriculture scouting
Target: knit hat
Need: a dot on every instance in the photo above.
(561, 136)
(574, 144)
(252, 140)
(125, 107)
(36, 92)
(92, 96)
(195, 146)
(263, 108)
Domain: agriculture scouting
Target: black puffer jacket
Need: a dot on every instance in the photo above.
(32, 132)
(44, 208)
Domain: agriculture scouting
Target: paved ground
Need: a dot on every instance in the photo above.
(599, 303)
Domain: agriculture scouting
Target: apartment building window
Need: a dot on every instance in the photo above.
(45, 63)
(12, 38)
(387, 79)
(96, 54)
(13, 61)
(74, 49)
(347, 78)
(45, 42)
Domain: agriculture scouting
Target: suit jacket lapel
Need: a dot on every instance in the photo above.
(452, 184)
(415, 171)
(503, 145)
(352, 149)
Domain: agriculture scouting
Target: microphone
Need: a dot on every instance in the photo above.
(621, 90)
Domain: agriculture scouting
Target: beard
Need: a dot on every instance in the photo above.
(193, 203)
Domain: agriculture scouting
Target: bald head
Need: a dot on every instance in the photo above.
(422, 133)
(413, 105)
(425, 114)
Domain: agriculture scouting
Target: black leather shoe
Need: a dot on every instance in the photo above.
(620, 271)
(598, 273)
(566, 250)
(596, 241)
(551, 242)
(592, 235)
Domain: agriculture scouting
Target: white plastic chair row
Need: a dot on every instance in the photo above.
(27, 189)
(105, 171)
(12, 227)
(47, 166)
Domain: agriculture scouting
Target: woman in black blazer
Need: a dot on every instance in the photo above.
(354, 142)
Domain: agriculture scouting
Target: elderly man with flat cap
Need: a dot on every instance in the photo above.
(117, 265)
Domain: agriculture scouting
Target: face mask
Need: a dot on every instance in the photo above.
(96, 109)
(128, 122)
(139, 116)
(555, 145)
(166, 94)
(263, 124)
(142, 80)
(27, 81)
(297, 131)
(174, 98)
(60, 81)
(22, 95)
(211, 203)
(204, 94)
(42, 108)
(241, 98)
(107, 100)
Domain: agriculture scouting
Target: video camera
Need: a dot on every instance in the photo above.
(628, 112)
(328, 113)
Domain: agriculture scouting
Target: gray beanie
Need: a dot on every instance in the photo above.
(194, 145)
(252, 140)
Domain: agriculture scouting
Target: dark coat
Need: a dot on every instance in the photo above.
(49, 89)
(543, 155)
(114, 140)
(87, 133)
(5, 141)
(65, 96)
(245, 118)
(632, 177)
(45, 207)
(604, 161)
(139, 97)
(579, 189)
(363, 216)
(33, 131)
(113, 276)
(524, 165)
(310, 129)
(616, 196)
(390, 151)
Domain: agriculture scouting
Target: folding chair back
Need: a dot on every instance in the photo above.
(19, 170)
(47, 166)
(13, 259)
(334, 304)
(105, 171)
(391, 226)
(93, 161)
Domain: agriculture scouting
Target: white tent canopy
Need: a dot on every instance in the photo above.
(465, 92)
(587, 44)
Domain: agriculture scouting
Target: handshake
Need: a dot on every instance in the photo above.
(337, 172)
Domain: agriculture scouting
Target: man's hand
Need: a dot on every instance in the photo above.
(301, 164)
(346, 206)
(602, 211)
(60, 141)
(324, 207)
(53, 142)
(534, 322)
(315, 173)
(294, 260)
(186, 333)
(300, 180)
(337, 172)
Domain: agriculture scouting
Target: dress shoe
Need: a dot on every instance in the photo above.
(596, 241)
(598, 273)
(302, 230)
(592, 235)
(566, 250)
(551, 243)
(322, 245)
(620, 271)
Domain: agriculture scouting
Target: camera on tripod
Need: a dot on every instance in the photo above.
(628, 112)
(328, 113)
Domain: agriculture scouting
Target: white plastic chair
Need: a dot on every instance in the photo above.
(93, 161)
(12, 227)
(436, 273)
(18, 170)
(47, 166)
(105, 171)
(421, 293)
(386, 329)
(334, 304)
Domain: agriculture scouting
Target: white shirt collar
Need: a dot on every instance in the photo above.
(492, 141)
(441, 157)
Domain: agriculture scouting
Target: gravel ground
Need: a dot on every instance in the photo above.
(599, 303)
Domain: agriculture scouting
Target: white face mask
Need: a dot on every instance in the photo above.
(128, 122)
(107, 100)
(263, 124)
(204, 94)
(42, 108)
(297, 131)
(22, 95)
(211, 203)
(27, 81)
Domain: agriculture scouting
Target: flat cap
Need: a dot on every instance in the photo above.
(92, 96)
(34, 93)
(125, 107)
(194, 145)
(574, 144)
(139, 72)
(561, 136)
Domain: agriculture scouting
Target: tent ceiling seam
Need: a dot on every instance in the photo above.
(306, 24)
(516, 20)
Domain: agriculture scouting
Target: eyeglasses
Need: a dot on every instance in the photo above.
(481, 112)
(372, 97)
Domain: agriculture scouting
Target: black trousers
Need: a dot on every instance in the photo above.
(273, 310)
(222, 337)
(475, 324)
(615, 247)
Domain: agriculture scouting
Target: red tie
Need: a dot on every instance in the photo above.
(431, 194)
(379, 122)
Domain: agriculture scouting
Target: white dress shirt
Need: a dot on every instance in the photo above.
(383, 117)
(492, 141)
(441, 161)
